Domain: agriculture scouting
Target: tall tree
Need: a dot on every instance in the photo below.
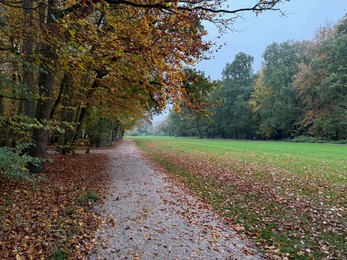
(278, 111)
(46, 80)
(235, 115)
(322, 82)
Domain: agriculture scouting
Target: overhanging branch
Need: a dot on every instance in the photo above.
(190, 6)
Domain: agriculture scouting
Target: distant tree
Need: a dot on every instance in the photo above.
(234, 117)
(278, 108)
(196, 109)
(143, 127)
(322, 83)
(260, 104)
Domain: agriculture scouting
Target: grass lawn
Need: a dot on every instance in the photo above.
(291, 198)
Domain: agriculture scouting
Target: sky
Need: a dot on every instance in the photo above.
(251, 34)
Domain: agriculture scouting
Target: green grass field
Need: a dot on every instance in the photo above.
(290, 198)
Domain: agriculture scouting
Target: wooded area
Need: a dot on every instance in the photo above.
(299, 92)
(84, 71)
(92, 68)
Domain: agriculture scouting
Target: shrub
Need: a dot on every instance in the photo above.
(312, 139)
(13, 162)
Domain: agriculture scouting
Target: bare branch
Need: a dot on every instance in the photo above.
(193, 5)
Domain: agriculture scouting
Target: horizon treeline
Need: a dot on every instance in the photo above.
(300, 91)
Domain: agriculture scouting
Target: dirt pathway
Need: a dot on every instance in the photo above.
(156, 219)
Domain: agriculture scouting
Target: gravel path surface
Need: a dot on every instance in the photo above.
(157, 218)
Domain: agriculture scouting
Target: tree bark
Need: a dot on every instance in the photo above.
(28, 70)
(83, 114)
(121, 133)
(62, 88)
(2, 107)
(45, 89)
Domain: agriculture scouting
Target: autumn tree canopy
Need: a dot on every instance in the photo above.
(64, 62)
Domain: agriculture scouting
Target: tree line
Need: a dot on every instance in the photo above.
(299, 92)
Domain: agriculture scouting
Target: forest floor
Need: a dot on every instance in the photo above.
(154, 216)
(50, 215)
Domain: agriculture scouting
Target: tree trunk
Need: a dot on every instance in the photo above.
(83, 114)
(116, 130)
(3, 132)
(43, 110)
(45, 89)
(67, 114)
(121, 133)
(2, 107)
(28, 70)
(63, 85)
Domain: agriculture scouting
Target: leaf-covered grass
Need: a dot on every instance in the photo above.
(289, 197)
(52, 217)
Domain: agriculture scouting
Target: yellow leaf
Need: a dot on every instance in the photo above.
(18, 257)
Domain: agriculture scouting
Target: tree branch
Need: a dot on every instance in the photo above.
(193, 5)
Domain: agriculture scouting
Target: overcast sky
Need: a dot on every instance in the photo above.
(252, 34)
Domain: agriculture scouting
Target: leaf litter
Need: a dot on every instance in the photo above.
(52, 217)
